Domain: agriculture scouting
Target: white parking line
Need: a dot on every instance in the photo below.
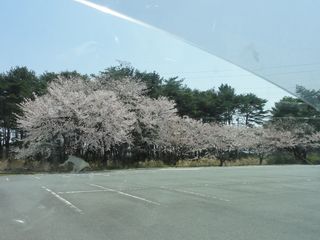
(195, 194)
(89, 191)
(125, 194)
(20, 221)
(100, 174)
(69, 204)
(179, 169)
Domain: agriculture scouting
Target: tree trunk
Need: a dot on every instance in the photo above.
(21, 135)
(247, 119)
(222, 161)
(105, 159)
(1, 145)
(105, 155)
(261, 157)
(260, 160)
(7, 142)
(16, 132)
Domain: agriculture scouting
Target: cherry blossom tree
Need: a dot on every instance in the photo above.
(76, 115)
(295, 137)
(163, 132)
(221, 141)
(129, 90)
(108, 118)
(182, 136)
(225, 142)
(262, 141)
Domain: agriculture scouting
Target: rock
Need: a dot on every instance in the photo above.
(78, 164)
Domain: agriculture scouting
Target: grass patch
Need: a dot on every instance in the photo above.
(3, 165)
(30, 167)
(151, 164)
(313, 158)
(248, 161)
(202, 162)
(281, 157)
(210, 162)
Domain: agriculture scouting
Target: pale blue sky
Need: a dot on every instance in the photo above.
(47, 35)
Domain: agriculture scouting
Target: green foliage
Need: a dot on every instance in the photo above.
(281, 157)
(245, 161)
(152, 80)
(48, 77)
(310, 96)
(16, 85)
(202, 162)
(251, 109)
(314, 158)
(151, 164)
(223, 105)
(296, 110)
(20, 83)
(227, 103)
(299, 118)
(220, 105)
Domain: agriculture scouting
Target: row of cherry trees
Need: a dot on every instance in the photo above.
(114, 120)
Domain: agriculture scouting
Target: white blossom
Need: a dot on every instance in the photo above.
(85, 117)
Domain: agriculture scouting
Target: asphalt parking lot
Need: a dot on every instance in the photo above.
(267, 202)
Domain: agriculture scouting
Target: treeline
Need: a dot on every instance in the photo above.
(221, 105)
(124, 115)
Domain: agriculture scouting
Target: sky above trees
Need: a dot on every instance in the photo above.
(64, 35)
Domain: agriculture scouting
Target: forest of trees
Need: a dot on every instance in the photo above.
(123, 115)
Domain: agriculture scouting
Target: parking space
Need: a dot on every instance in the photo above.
(227, 203)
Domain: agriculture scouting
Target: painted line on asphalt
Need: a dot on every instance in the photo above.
(88, 191)
(19, 221)
(179, 169)
(195, 194)
(100, 174)
(126, 194)
(69, 204)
